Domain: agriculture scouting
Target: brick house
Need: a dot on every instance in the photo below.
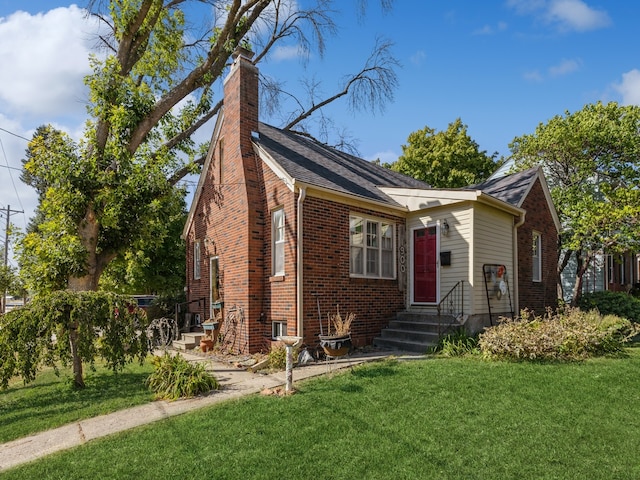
(282, 230)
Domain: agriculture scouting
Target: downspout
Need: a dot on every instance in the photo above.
(516, 290)
(299, 270)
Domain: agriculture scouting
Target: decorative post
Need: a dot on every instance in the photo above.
(289, 343)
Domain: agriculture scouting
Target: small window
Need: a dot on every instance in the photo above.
(610, 268)
(278, 241)
(220, 160)
(196, 260)
(278, 329)
(536, 256)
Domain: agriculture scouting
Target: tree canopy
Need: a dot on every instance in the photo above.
(152, 87)
(591, 161)
(445, 159)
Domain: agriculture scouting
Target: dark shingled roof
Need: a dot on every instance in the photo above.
(509, 188)
(312, 163)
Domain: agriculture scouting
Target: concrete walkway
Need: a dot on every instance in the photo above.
(235, 382)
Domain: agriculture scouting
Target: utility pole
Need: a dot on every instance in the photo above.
(6, 253)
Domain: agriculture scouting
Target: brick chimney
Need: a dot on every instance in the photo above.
(242, 225)
(241, 99)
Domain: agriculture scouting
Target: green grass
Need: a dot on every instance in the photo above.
(441, 418)
(51, 401)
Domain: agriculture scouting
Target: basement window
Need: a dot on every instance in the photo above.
(278, 329)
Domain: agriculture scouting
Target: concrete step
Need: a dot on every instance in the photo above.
(404, 345)
(189, 341)
(410, 335)
(415, 332)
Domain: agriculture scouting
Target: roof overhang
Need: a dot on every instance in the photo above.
(319, 191)
(415, 200)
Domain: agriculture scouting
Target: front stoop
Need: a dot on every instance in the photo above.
(415, 332)
(188, 341)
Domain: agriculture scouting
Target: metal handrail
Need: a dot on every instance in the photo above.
(453, 302)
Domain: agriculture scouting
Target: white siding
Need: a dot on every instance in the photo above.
(457, 242)
(493, 244)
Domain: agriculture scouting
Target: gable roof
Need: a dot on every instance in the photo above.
(515, 187)
(511, 188)
(312, 163)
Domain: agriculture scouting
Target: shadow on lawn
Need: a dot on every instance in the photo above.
(59, 397)
(377, 369)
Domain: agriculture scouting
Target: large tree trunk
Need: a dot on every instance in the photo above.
(88, 231)
(581, 269)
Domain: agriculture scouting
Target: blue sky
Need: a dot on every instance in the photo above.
(502, 66)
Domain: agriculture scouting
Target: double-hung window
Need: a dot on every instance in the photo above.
(196, 260)
(371, 248)
(277, 235)
(536, 256)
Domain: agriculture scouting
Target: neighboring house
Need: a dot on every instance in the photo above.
(283, 230)
(613, 272)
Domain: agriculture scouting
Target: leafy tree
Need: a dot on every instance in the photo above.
(152, 90)
(7, 277)
(590, 158)
(155, 263)
(445, 159)
(67, 327)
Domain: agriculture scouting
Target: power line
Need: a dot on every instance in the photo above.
(6, 248)
(14, 134)
(6, 160)
(11, 168)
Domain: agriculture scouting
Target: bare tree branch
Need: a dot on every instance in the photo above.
(369, 89)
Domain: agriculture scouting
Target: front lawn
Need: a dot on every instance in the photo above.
(444, 418)
(51, 401)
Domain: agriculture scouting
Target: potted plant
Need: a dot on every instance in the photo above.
(211, 329)
(338, 342)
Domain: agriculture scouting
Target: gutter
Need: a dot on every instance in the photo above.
(516, 290)
(302, 193)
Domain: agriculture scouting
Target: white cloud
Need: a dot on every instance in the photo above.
(44, 60)
(629, 88)
(290, 52)
(577, 15)
(565, 67)
(533, 76)
(47, 58)
(489, 30)
(566, 15)
(418, 58)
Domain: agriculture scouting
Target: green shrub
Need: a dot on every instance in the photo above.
(457, 344)
(614, 303)
(174, 377)
(278, 357)
(572, 334)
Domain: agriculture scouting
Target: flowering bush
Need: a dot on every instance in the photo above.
(571, 334)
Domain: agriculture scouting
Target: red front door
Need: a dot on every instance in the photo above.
(424, 265)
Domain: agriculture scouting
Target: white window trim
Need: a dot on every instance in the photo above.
(212, 280)
(380, 222)
(196, 260)
(275, 244)
(278, 328)
(537, 260)
(610, 268)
